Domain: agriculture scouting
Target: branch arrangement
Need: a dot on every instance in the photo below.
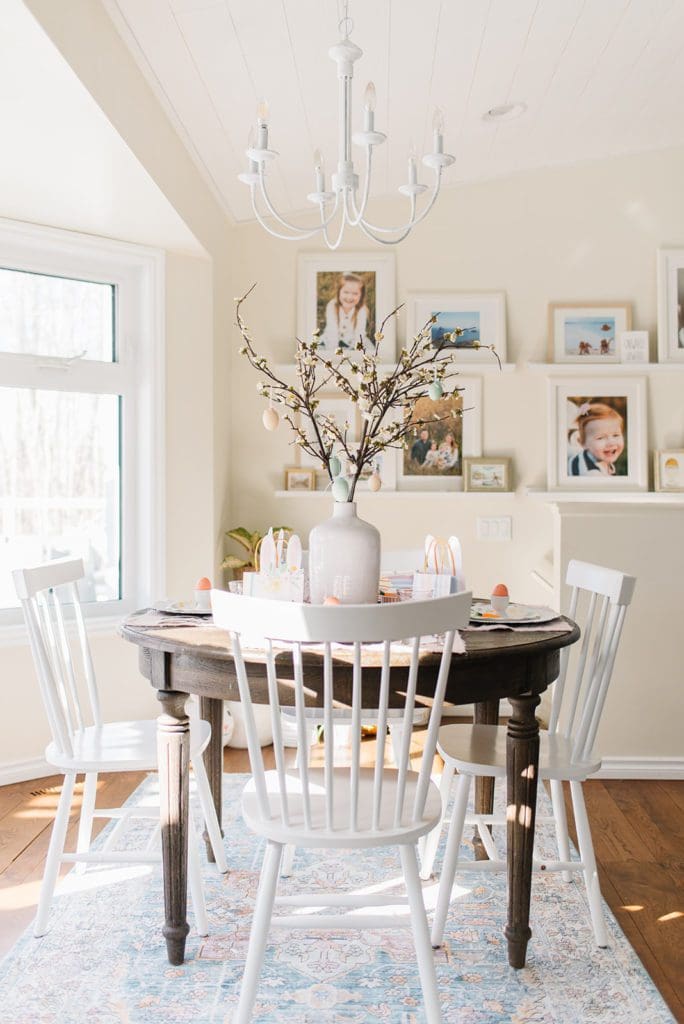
(385, 400)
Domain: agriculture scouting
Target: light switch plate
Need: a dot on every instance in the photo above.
(494, 528)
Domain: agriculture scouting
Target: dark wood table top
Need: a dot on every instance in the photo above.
(495, 663)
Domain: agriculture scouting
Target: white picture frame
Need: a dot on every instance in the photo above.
(408, 479)
(320, 279)
(615, 438)
(481, 314)
(587, 332)
(386, 466)
(330, 404)
(668, 470)
(670, 305)
(633, 347)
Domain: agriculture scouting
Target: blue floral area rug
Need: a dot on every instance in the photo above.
(103, 960)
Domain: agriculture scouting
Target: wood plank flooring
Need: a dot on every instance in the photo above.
(638, 830)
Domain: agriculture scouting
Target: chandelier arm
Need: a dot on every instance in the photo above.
(358, 213)
(324, 229)
(300, 237)
(378, 238)
(301, 232)
(414, 220)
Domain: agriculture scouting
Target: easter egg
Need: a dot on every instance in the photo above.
(203, 584)
(340, 489)
(270, 419)
(335, 466)
(500, 590)
(374, 482)
(331, 600)
(435, 391)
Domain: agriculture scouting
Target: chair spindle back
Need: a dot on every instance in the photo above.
(314, 637)
(599, 600)
(44, 590)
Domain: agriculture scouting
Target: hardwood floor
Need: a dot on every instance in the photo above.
(638, 830)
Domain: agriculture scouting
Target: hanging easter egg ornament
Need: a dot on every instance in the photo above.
(435, 391)
(270, 417)
(374, 482)
(340, 489)
(335, 466)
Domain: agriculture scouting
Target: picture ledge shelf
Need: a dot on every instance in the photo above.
(399, 494)
(612, 497)
(589, 369)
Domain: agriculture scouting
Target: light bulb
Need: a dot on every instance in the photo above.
(319, 163)
(251, 138)
(369, 97)
(262, 112)
(438, 121)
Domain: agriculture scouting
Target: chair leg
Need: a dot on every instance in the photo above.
(562, 840)
(209, 814)
(54, 855)
(258, 936)
(195, 883)
(421, 935)
(451, 852)
(85, 824)
(428, 844)
(591, 879)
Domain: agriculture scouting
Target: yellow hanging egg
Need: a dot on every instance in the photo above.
(374, 482)
(270, 419)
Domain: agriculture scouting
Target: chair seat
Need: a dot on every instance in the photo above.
(296, 832)
(481, 750)
(119, 746)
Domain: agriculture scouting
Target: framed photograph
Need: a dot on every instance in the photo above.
(668, 470)
(385, 465)
(633, 347)
(489, 473)
(299, 479)
(343, 411)
(480, 316)
(671, 305)
(587, 332)
(345, 297)
(597, 434)
(433, 458)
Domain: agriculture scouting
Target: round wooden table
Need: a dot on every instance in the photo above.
(516, 664)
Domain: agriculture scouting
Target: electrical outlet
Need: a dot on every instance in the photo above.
(494, 528)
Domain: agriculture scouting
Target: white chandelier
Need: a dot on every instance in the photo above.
(342, 202)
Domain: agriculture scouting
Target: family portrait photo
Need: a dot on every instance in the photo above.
(435, 448)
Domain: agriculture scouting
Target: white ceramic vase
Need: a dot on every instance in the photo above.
(344, 558)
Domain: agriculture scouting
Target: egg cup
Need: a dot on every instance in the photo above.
(499, 603)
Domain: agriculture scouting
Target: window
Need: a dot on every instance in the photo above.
(80, 413)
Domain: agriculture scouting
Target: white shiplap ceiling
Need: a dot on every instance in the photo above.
(598, 77)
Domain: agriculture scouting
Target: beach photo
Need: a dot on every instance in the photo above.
(487, 474)
(479, 317)
(467, 324)
(587, 333)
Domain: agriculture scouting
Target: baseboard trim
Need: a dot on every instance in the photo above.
(641, 768)
(24, 771)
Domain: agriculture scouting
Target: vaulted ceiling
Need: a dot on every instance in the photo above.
(597, 77)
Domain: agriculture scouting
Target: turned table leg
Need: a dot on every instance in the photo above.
(173, 746)
(211, 710)
(522, 766)
(486, 713)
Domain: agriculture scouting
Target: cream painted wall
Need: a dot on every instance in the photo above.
(584, 232)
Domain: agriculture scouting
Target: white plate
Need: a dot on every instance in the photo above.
(515, 615)
(181, 608)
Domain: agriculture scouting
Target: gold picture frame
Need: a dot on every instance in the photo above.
(487, 474)
(300, 478)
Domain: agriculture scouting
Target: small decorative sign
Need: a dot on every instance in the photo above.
(633, 347)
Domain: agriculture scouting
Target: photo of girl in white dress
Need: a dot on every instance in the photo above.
(345, 309)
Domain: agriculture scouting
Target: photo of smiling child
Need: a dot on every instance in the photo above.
(597, 436)
(345, 309)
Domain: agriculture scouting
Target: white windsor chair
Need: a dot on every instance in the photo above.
(599, 600)
(77, 747)
(339, 807)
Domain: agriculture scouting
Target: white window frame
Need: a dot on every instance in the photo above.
(138, 376)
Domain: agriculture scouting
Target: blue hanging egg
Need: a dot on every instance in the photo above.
(335, 466)
(340, 489)
(435, 391)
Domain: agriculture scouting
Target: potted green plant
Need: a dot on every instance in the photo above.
(250, 541)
